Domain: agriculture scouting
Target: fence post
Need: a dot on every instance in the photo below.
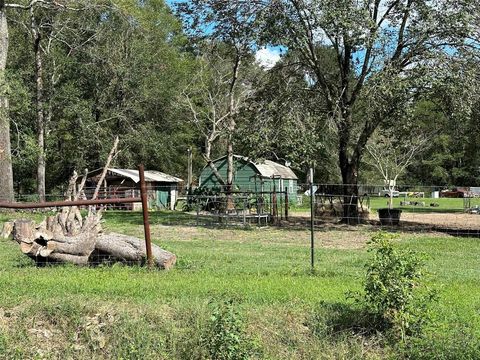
(274, 202)
(286, 203)
(244, 212)
(146, 224)
(312, 237)
(198, 209)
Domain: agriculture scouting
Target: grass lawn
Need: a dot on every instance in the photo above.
(132, 313)
(445, 205)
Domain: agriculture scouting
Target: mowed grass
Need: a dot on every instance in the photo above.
(265, 270)
(443, 205)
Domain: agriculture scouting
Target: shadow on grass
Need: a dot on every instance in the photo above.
(156, 217)
(299, 223)
(337, 320)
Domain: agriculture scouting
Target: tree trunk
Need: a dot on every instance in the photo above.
(350, 193)
(40, 99)
(60, 239)
(129, 249)
(229, 165)
(6, 174)
(231, 129)
(229, 187)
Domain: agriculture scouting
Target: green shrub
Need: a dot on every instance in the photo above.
(225, 337)
(394, 297)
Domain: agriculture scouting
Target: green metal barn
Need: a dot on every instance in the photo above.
(252, 176)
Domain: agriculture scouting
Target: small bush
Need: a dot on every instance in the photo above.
(394, 297)
(225, 337)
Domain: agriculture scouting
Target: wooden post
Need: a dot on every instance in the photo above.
(189, 178)
(286, 203)
(244, 211)
(146, 224)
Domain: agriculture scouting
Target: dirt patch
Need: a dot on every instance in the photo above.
(408, 221)
(346, 238)
(445, 220)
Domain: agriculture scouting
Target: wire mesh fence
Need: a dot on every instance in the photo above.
(411, 208)
(423, 207)
(316, 207)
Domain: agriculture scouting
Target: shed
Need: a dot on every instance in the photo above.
(162, 188)
(252, 176)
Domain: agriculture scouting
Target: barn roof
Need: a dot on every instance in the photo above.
(267, 168)
(150, 175)
(270, 168)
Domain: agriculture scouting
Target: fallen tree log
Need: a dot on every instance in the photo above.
(130, 249)
(47, 243)
(68, 237)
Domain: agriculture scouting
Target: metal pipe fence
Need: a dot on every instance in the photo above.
(142, 199)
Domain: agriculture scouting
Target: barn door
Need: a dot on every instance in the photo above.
(162, 199)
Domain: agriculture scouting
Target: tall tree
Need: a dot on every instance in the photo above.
(37, 30)
(6, 174)
(108, 69)
(283, 122)
(46, 26)
(452, 110)
(386, 51)
(210, 102)
(228, 22)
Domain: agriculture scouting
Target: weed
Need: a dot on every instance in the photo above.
(225, 337)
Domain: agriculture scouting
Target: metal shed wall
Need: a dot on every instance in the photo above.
(246, 178)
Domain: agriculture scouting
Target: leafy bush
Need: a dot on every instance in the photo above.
(225, 337)
(200, 199)
(394, 296)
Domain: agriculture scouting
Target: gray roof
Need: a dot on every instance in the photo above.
(268, 168)
(150, 175)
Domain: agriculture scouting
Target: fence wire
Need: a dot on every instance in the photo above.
(426, 210)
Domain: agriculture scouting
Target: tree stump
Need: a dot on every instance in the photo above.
(69, 238)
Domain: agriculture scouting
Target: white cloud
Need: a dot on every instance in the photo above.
(267, 58)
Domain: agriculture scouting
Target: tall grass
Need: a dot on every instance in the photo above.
(130, 312)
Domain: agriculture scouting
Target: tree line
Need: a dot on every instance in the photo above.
(353, 80)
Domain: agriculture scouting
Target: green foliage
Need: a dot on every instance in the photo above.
(165, 314)
(114, 68)
(225, 337)
(456, 343)
(392, 288)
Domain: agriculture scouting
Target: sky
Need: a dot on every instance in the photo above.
(266, 57)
